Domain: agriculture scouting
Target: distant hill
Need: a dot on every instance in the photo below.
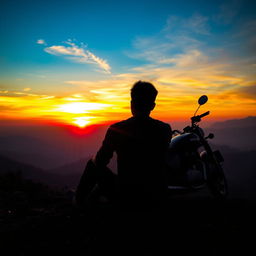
(57, 157)
(31, 150)
(249, 121)
(48, 147)
(239, 168)
(240, 171)
(237, 133)
(76, 167)
(28, 171)
(70, 174)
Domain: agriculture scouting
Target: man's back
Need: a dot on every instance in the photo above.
(140, 144)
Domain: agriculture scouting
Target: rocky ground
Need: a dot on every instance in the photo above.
(46, 223)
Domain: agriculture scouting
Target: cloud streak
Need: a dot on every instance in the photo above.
(41, 41)
(78, 54)
(179, 35)
(228, 11)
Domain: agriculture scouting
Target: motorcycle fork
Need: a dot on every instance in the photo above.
(205, 172)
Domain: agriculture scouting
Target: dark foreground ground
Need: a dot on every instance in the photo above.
(190, 224)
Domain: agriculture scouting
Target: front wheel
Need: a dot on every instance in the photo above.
(216, 180)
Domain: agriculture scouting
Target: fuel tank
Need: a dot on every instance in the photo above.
(186, 141)
(182, 153)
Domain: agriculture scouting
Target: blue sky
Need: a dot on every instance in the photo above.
(59, 47)
(109, 28)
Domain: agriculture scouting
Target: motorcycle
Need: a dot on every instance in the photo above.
(191, 162)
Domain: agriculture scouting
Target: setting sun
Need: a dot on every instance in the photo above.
(81, 121)
(81, 114)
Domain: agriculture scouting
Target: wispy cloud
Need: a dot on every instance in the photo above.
(179, 35)
(41, 41)
(78, 54)
(196, 23)
(228, 11)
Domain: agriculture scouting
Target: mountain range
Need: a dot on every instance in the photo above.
(238, 133)
(49, 147)
(58, 157)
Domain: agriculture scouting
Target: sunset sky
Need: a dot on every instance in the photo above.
(74, 62)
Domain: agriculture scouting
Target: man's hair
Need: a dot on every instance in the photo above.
(143, 93)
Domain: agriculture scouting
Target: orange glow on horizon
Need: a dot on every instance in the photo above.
(97, 103)
(77, 130)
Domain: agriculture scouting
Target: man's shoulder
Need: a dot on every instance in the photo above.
(130, 122)
(133, 120)
(122, 123)
(161, 123)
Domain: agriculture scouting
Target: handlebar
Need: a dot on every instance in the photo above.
(196, 119)
(204, 114)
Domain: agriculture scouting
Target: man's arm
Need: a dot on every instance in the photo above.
(107, 149)
(168, 133)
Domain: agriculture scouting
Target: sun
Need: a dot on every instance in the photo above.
(81, 114)
(81, 122)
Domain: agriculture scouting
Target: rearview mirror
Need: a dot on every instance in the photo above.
(202, 100)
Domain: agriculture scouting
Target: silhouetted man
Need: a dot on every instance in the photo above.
(140, 143)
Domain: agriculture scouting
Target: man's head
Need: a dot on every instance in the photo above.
(143, 95)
